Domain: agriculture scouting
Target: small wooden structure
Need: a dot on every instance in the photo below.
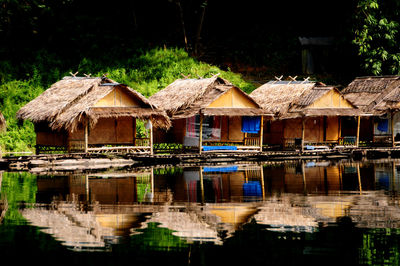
(308, 114)
(210, 115)
(85, 114)
(378, 96)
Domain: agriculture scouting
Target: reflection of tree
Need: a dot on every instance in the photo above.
(380, 246)
(17, 188)
(157, 238)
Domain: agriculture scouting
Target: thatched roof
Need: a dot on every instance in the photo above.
(368, 92)
(277, 96)
(69, 100)
(288, 99)
(187, 97)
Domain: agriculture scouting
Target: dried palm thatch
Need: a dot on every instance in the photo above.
(290, 99)
(187, 97)
(71, 100)
(278, 97)
(368, 92)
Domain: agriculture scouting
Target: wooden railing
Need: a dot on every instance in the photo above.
(252, 141)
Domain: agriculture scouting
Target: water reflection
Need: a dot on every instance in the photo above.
(301, 204)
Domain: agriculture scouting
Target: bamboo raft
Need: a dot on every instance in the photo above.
(82, 161)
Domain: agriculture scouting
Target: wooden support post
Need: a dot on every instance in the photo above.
(303, 172)
(87, 188)
(392, 127)
(303, 127)
(359, 178)
(201, 133)
(86, 135)
(151, 137)
(358, 131)
(261, 133)
(152, 184)
(134, 131)
(339, 129)
(262, 181)
(201, 184)
(393, 175)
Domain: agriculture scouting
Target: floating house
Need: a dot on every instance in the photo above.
(378, 96)
(210, 115)
(91, 114)
(308, 114)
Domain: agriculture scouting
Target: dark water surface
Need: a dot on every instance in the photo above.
(257, 214)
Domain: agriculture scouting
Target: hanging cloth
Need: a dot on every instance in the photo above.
(383, 125)
(251, 124)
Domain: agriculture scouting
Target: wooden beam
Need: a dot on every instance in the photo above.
(261, 133)
(86, 135)
(392, 126)
(262, 181)
(151, 137)
(303, 125)
(303, 173)
(359, 177)
(134, 131)
(201, 133)
(201, 184)
(358, 131)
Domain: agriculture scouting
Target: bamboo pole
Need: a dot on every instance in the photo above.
(261, 133)
(358, 131)
(86, 135)
(134, 131)
(392, 127)
(262, 182)
(303, 122)
(201, 133)
(303, 173)
(359, 178)
(201, 184)
(151, 137)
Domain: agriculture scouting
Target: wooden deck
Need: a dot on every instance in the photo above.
(99, 161)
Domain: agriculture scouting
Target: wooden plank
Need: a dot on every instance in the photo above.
(201, 133)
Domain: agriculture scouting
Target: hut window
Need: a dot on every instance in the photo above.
(211, 127)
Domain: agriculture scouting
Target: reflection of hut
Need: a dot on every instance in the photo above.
(223, 183)
(210, 113)
(86, 114)
(308, 113)
(378, 95)
(103, 188)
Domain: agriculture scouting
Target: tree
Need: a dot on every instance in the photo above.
(377, 35)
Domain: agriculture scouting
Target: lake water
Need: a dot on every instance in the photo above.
(312, 213)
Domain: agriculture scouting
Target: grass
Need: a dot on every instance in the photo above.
(147, 72)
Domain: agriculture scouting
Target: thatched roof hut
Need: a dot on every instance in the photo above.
(373, 94)
(291, 99)
(186, 97)
(67, 102)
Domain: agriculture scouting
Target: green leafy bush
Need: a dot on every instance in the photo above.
(146, 72)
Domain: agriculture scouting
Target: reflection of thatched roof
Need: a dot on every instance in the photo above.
(368, 92)
(69, 100)
(290, 99)
(187, 97)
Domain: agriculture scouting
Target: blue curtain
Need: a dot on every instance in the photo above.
(383, 125)
(221, 169)
(251, 124)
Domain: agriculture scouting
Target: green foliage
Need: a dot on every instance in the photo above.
(146, 72)
(377, 35)
(17, 188)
